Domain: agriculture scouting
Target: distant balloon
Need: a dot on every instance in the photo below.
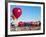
(17, 12)
(21, 24)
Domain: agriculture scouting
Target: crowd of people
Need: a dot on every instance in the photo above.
(22, 26)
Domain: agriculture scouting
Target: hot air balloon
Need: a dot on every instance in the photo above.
(17, 12)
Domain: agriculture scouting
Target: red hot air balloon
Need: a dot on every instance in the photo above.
(21, 24)
(17, 12)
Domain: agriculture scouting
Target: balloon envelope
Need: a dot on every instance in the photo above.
(17, 12)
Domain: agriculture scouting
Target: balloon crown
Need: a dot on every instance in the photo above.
(17, 12)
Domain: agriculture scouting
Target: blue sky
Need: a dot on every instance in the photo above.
(29, 13)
